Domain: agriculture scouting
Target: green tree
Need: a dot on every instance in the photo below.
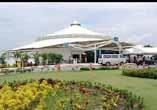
(22, 56)
(51, 58)
(17, 55)
(36, 58)
(3, 57)
(58, 58)
(44, 58)
(148, 45)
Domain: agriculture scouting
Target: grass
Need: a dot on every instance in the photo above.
(146, 88)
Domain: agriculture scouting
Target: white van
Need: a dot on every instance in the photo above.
(111, 59)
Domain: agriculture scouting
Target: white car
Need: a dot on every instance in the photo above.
(111, 59)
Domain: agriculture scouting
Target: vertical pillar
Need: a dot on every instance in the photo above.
(80, 58)
(99, 52)
(95, 54)
(120, 48)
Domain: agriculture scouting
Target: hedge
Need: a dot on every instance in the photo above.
(52, 58)
(142, 73)
(101, 68)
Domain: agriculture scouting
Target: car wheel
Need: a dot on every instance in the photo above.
(102, 64)
(121, 63)
(108, 63)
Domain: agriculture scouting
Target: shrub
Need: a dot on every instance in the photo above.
(58, 58)
(143, 73)
(52, 58)
(84, 69)
(107, 68)
(22, 70)
(11, 66)
(46, 94)
(36, 57)
(44, 58)
(7, 71)
(3, 65)
(101, 68)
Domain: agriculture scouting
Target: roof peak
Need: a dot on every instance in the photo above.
(75, 23)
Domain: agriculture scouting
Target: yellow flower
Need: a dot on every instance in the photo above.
(25, 94)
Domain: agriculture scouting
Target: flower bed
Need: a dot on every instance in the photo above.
(143, 73)
(46, 94)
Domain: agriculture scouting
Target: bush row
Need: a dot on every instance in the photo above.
(51, 58)
(143, 73)
(20, 70)
(101, 68)
(47, 58)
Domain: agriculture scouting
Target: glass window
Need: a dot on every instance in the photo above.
(100, 56)
(107, 56)
(114, 56)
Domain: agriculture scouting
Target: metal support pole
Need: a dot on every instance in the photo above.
(99, 52)
(80, 58)
(95, 54)
(120, 49)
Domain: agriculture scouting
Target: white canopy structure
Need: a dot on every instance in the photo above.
(75, 30)
(53, 42)
(72, 34)
(139, 49)
(75, 36)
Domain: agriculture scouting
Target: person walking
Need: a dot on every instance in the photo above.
(135, 60)
(143, 61)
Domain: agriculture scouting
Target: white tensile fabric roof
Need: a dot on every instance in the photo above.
(139, 49)
(77, 31)
(72, 34)
(52, 42)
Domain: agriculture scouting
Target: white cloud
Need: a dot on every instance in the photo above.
(137, 5)
(23, 22)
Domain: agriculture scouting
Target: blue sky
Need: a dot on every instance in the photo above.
(21, 23)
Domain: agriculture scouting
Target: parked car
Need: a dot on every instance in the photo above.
(151, 60)
(111, 59)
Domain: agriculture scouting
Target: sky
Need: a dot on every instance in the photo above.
(22, 23)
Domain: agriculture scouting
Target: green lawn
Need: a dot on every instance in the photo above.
(146, 88)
